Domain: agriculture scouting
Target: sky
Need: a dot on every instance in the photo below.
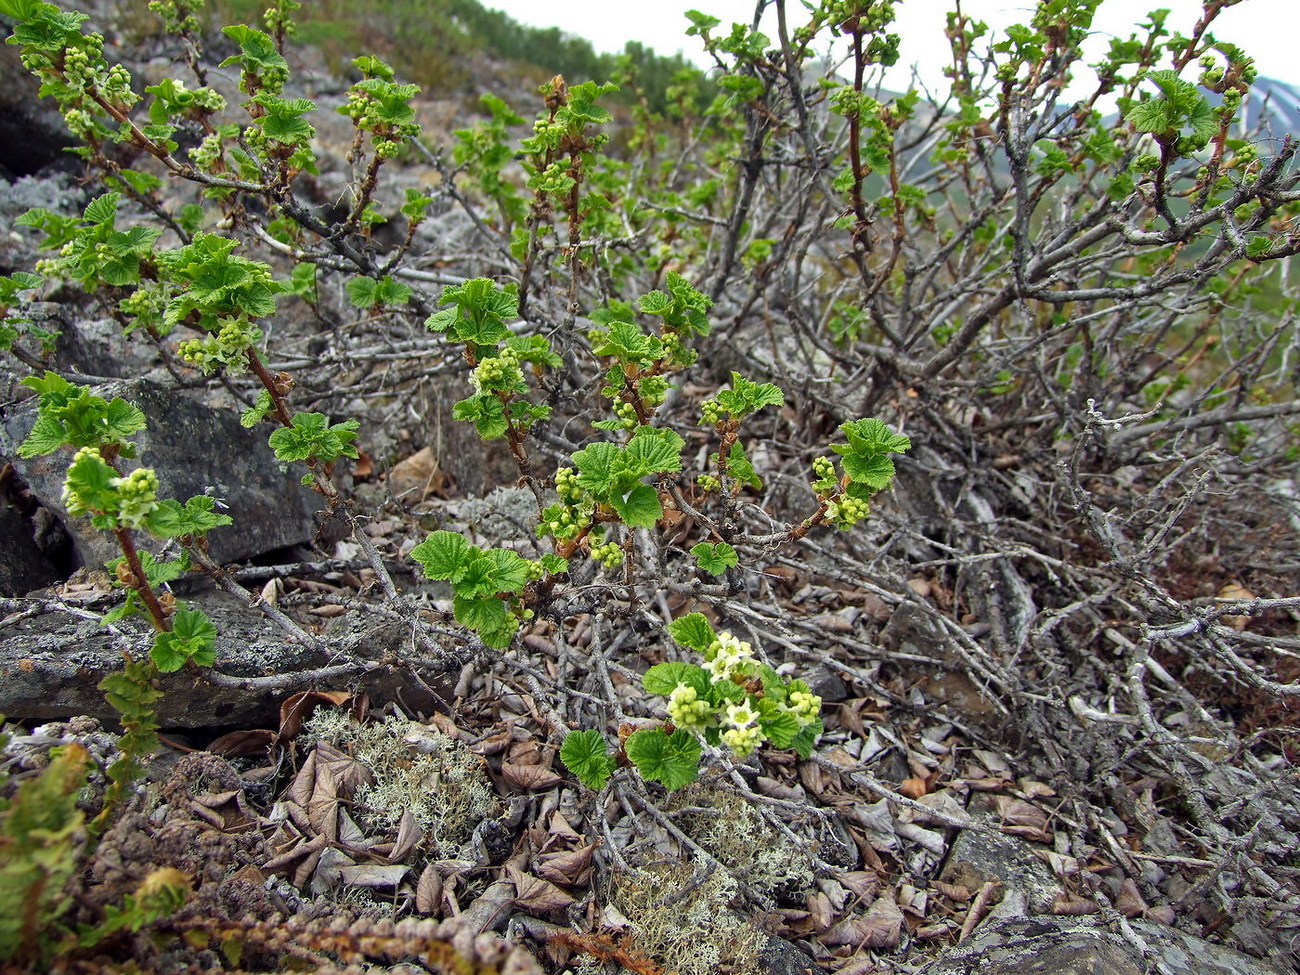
(1266, 29)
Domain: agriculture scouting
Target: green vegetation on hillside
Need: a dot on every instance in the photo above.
(431, 42)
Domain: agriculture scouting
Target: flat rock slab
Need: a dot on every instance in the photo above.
(52, 662)
(1086, 946)
(195, 449)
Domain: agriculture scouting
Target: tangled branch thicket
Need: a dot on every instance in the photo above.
(1081, 316)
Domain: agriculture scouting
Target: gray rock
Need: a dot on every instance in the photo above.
(24, 566)
(32, 132)
(1086, 946)
(779, 957)
(51, 664)
(976, 858)
(196, 450)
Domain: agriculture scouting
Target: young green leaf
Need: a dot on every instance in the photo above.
(693, 630)
(193, 637)
(585, 755)
(715, 558)
(662, 679)
(444, 555)
(672, 759)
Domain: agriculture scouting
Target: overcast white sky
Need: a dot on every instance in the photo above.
(1269, 30)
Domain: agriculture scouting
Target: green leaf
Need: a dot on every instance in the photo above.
(595, 465)
(197, 516)
(193, 637)
(715, 559)
(489, 617)
(554, 564)
(444, 555)
(585, 754)
(654, 450)
(872, 436)
(47, 436)
(874, 470)
(803, 742)
(102, 209)
(693, 630)
(672, 759)
(640, 507)
(486, 412)
(663, 679)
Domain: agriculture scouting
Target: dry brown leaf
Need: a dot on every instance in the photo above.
(297, 708)
(237, 744)
(408, 835)
(1035, 790)
(863, 884)
(529, 777)
(1072, 904)
(569, 867)
(328, 610)
(1129, 901)
(493, 744)
(536, 895)
(880, 927)
(1021, 818)
(559, 827)
(428, 891)
(821, 913)
(954, 892)
(913, 787)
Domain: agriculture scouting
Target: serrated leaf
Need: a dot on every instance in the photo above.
(874, 470)
(640, 507)
(102, 209)
(486, 412)
(444, 555)
(872, 436)
(554, 564)
(655, 303)
(47, 436)
(192, 637)
(585, 754)
(803, 742)
(715, 558)
(693, 630)
(672, 759)
(663, 679)
(595, 464)
(197, 516)
(656, 450)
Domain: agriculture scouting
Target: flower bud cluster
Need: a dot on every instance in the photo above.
(227, 348)
(500, 373)
(687, 711)
(137, 496)
(845, 511)
(626, 414)
(743, 733)
(374, 107)
(710, 413)
(572, 514)
(608, 554)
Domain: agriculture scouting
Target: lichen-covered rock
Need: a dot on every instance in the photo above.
(1085, 946)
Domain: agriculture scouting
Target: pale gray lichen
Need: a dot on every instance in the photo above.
(414, 767)
(731, 829)
(688, 928)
